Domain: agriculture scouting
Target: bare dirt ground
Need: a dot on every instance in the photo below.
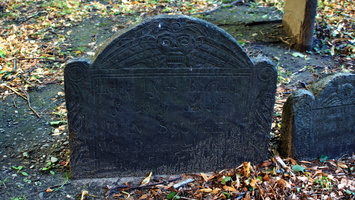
(34, 156)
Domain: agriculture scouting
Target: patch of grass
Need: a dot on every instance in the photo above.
(253, 4)
(279, 4)
(78, 50)
(67, 175)
(323, 182)
(18, 198)
(283, 76)
(3, 182)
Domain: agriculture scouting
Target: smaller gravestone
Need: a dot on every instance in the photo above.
(320, 121)
(298, 21)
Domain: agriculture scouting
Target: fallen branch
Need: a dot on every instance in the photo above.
(27, 98)
(86, 193)
(20, 75)
(50, 189)
(288, 40)
(46, 59)
(14, 90)
(182, 183)
(264, 22)
(126, 187)
(219, 7)
(35, 15)
(42, 59)
(15, 65)
(29, 105)
(254, 23)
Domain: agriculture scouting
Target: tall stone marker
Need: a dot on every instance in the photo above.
(173, 94)
(298, 20)
(320, 121)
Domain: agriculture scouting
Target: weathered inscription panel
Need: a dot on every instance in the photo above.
(171, 95)
(323, 119)
(172, 112)
(335, 120)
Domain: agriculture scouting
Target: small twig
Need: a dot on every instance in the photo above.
(86, 193)
(27, 98)
(252, 23)
(32, 16)
(42, 59)
(154, 184)
(282, 163)
(29, 105)
(219, 7)
(14, 90)
(124, 187)
(51, 188)
(285, 41)
(25, 72)
(15, 65)
(50, 30)
(263, 22)
(184, 182)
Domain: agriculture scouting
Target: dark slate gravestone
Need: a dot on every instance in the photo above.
(171, 95)
(320, 121)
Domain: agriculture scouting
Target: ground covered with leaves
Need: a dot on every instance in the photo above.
(34, 43)
(273, 179)
(38, 37)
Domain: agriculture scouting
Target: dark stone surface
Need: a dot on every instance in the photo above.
(320, 121)
(173, 94)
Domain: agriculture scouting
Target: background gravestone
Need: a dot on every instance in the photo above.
(173, 94)
(320, 121)
(298, 20)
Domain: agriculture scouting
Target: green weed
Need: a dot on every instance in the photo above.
(3, 182)
(48, 168)
(283, 76)
(18, 198)
(19, 170)
(67, 175)
(324, 182)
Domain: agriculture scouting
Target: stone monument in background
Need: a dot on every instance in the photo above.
(299, 20)
(320, 121)
(173, 94)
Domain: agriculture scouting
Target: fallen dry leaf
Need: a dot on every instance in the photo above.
(207, 190)
(146, 180)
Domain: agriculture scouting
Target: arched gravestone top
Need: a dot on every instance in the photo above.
(172, 42)
(172, 94)
(321, 120)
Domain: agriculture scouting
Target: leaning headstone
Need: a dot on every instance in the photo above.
(298, 21)
(173, 94)
(320, 121)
